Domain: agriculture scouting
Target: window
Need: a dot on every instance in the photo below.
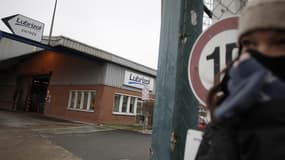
(71, 101)
(139, 106)
(79, 100)
(116, 103)
(132, 104)
(92, 105)
(126, 105)
(83, 100)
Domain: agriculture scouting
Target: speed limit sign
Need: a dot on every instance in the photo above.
(213, 50)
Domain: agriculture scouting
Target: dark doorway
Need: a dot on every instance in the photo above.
(21, 93)
(38, 93)
(30, 93)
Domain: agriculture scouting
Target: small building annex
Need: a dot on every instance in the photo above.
(72, 81)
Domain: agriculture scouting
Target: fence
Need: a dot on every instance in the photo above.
(218, 9)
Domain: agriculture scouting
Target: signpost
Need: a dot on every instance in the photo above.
(25, 27)
(145, 93)
(213, 50)
(175, 108)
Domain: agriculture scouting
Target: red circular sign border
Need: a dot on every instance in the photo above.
(195, 82)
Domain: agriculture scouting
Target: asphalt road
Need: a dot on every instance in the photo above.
(106, 145)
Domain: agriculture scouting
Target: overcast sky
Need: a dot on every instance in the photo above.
(127, 28)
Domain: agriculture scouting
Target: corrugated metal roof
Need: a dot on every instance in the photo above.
(84, 48)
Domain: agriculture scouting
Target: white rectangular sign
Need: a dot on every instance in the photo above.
(145, 93)
(138, 81)
(25, 27)
(193, 140)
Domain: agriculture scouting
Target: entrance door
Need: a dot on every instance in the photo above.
(31, 92)
(38, 92)
(23, 86)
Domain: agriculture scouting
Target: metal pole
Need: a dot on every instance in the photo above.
(51, 27)
(166, 78)
(185, 114)
(176, 108)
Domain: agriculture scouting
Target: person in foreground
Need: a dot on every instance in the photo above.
(248, 105)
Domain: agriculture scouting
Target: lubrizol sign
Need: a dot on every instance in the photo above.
(137, 80)
(25, 27)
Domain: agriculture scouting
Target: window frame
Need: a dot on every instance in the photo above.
(127, 113)
(73, 101)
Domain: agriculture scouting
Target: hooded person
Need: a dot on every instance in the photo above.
(248, 106)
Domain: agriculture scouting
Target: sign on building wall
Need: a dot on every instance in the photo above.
(25, 27)
(138, 80)
(145, 93)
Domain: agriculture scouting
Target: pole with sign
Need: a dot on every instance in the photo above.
(176, 107)
(213, 50)
(145, 98)
(145, 92)
(25, 27)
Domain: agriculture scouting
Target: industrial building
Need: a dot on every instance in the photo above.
(71, 80)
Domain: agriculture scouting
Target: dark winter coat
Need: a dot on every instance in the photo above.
(251, 120)
(219, 143)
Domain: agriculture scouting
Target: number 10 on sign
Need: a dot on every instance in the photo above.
(213, 50)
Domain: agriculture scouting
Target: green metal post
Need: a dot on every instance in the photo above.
(175, 107)
(186, 106)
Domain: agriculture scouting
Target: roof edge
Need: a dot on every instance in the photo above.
(99, 53)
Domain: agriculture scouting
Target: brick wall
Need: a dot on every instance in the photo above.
(103, 105)
(106, 115)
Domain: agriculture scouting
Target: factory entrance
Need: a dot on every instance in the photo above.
(31, 92)
(28, 94)
(38, 93)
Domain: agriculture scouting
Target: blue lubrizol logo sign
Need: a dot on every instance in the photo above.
(137, 80)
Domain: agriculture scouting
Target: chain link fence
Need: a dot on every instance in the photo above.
(215, 10)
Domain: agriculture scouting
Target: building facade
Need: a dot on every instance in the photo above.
(73, 81)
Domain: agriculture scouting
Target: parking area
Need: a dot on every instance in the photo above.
(21, 138)
(33, 136)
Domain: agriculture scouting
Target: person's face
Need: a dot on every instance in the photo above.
(269, 43)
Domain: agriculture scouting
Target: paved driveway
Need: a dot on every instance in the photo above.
(19, 142)
(33, 136)
(106, 145)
